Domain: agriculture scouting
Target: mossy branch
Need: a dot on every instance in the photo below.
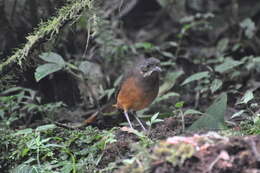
(69, 13)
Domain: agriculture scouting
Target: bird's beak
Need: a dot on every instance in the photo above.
(157, 68)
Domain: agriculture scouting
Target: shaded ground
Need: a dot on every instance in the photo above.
(237, 154)
(213, 155)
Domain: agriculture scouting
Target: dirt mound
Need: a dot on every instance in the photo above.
(207, 153)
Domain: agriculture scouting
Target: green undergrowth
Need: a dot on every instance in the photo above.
(52, 149)
(251, 126)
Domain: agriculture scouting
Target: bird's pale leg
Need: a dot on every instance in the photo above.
(127, 118)
(139, 121)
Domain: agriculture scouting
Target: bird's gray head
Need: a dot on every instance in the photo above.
(149, 66)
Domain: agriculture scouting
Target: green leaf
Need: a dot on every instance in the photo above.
(45, 140)
(166, 96)
(23, 132)
(46, 69)
(144, 45)
(118, 81)
(256, 59)
(157, 121)
(214, 118)
(173, 43)
(238, 114)
(196, 76)
(109, 92)
(25, 151)
(222, 45)
(154, 116)
(67, 168)
(236, 47)
(30, 107)
(169, 81)
(218, 108)
(52, 58)
(129, 161)
(30, 160)
(249, 26)
(23, 168)
(192, 111)
(85, 67)
(54, 145)
(46, 127)
(247, 97)
(2, 113)
(167, 54)
(179, 104)
(216, 84)
(227, 65)
(148, 123)
(13, 89)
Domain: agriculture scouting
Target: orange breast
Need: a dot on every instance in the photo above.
(132, 96)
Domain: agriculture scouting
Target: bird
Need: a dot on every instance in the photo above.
(139, 87)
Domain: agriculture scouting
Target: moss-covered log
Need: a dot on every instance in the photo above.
(69, 13)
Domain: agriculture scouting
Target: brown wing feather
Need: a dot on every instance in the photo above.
(132, 96)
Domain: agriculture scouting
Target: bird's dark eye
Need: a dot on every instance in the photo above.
(144, 68)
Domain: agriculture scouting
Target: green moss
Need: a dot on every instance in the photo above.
(251, 127)
(46, 30)
(175, 154)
